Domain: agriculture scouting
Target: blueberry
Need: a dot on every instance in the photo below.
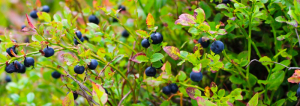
(75, 95)
(166, 90)
(23, 26)
(79, 69)
(76, 42)
(22, 69)
(33, 14)
(27, 40)
(46, 9)
(299, 84)
(29, 61)
(156, 38)
(78, 34)
(9, 53)
(196, 76)
(56, 74)
(122, 8)
(217, 47)
(145, 43)
(204, 43)
(223, 1)
(94, 19)
(49, 51)
(150, 71)
(7, 78)
(173, 87)
(93, 64)
(10, 68)
(125, 34)
(298, 92)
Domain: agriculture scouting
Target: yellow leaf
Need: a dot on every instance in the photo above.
(150, 21)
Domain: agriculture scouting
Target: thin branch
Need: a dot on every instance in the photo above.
(105, 67)
(289, 68)
(81, 12)
(123, 98)
(297, 36)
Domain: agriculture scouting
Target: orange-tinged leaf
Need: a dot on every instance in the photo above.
(22, 51)
(29, 22)
(191, 92)
(207, 91)
(295, 78)
(172, 51)
(150, 21)
(68, 100)
(99, 94)
(13, 53)
(38, 3)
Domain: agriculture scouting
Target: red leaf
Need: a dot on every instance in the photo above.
(172, 51)
(29, 22)
(186, 20)
(134, 57)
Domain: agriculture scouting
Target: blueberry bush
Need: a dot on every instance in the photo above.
(149, 52)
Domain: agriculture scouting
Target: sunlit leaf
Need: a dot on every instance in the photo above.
(172, 51)
(68, 100)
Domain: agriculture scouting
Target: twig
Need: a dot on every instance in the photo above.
(297, 36)
(106, 66)
(123, 98)
(289, 68)
(298, 103)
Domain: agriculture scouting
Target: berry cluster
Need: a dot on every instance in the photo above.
(33, 13)
(217, 46)
(156, 38)
(79, 36)
(172, 88)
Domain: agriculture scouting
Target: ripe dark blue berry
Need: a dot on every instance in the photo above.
(125, 34)
(217, 47)
(93, 64)
(150, 71)
(49, 51)
(46, 9)
(75, 95)
(156, 38)
(76, 42)
(166, 90)
(29, 61)
(22, 69)
(173, 87)
(7, 78)
(114, 20)
(56, 74)
(94, 19)
(122, 8)
(204, 42)
(79, 69)
(196, 76)
(10, 68)
(33, 14)
(145, 43)
(105, 91)
(13, 49)
(78, 34)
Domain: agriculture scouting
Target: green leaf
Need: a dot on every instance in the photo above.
(280, 19)
(254, 100)
(200, 15)
(37, 38)
(236, 93)
(181, 76)
(275, 80)
(156, 57)
(265, 60)
(221, 92)
(68, 100)
(168, 68)
(30, 97)
(142, 58)
(165, 103)
(99, 94)
(56, 18)
(236, 80)
(44, 16)
(279, 102)
(280, 67)
(142, 33)
(291, 95)
(93, 25)
(157, 64)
